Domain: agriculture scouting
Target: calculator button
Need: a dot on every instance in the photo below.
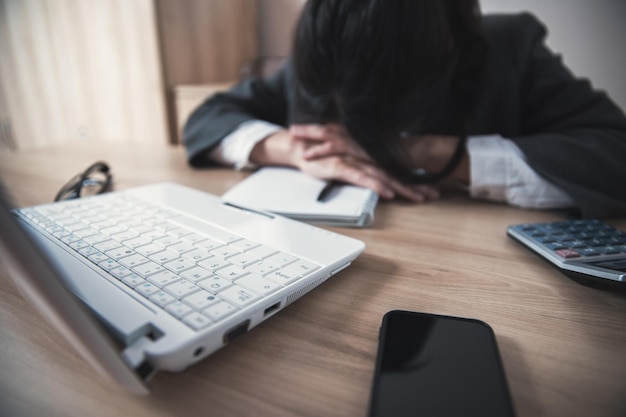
(568, 253)
(589, 252)
(609, 250)
(556, 246)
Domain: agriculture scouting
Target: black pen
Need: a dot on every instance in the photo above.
(326, 190)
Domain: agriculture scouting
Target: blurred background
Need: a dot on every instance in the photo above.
(132, 70)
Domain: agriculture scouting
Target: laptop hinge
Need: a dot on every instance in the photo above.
(134, 355)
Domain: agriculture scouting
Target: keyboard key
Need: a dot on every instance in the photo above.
(149, 249)
(178, 231)
(163, 278)
(61, 234)
(123, 236)
(202, 227)
(215, 284)
(151, 234)
(208, 244)
(133, 260)
(137, 241)
(231, 272)
(87, 251)
(68, 240)
(196, 274)
(78, 244)
(196, 320)
(120, 272)
(258, 284)
(96, 238)
(108, 264)
(225, 252)
(239, 296)
(109, 228)
(167, 240)
(281, 259)
(178, 309)
(107, 245)
(263, 267)
(303, 267)
(200, 300)
(243, 260)
(179, 265)
(133, 280)
(214, 263)
(262, 252)
(161, 298)
(119, 252)
(181, 288)
(181, 247)
(198, 255)
(164, 257)
(147, 289)
(244, 245)
(148, 268)
(74, 227)
(98, 257)
(284, 276)
(193, 238)
(219, 310)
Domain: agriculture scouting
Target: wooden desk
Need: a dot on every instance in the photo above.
(563, 344)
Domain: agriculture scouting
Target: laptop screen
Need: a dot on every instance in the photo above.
(39, 282)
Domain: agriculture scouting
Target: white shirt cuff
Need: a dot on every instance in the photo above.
(235, 149)
(499, 172)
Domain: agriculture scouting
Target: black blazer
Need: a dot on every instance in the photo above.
(571, 135)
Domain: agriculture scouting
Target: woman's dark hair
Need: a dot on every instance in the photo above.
(380, 64)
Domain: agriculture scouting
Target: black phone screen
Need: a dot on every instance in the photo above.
(430, 365)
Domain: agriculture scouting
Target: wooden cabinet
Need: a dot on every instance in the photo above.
(188, 97)
(205, 45)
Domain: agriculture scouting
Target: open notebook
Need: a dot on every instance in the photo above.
(161, 276)
(300, 196)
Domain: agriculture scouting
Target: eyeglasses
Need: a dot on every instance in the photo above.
(95, 179)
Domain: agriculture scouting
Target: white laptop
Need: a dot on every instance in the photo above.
(98, 269)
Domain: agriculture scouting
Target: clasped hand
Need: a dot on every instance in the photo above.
(328, 152)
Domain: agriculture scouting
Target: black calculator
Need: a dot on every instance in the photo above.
(589, 251)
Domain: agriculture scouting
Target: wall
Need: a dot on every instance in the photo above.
(588, 34)
(79, 70)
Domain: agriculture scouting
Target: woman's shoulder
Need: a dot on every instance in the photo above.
(513, 26)
(513, 34)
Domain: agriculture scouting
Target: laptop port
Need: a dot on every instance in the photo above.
(236, 331)
(199, 351)
(271, 309)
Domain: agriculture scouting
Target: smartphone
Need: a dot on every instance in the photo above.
(433, 365)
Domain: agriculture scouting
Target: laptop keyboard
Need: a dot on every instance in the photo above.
(199, 277)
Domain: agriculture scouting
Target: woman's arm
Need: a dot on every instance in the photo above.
(252, 99)
(571, 135)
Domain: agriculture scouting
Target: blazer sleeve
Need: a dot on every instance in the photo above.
(572, 135)
(253, 98)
